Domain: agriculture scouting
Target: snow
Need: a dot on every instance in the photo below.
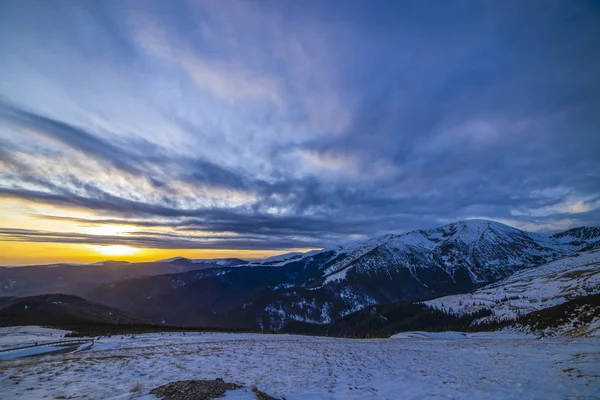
(18, 336)
(532, 289)
(336, 276)
(241, 394)
(458, 335)
(446, 365)
(173, 259)
(30, 351)
(283, 259)
(40, 350)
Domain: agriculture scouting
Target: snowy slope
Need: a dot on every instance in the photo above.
(578, 238)
(282, 259)
(532, 289)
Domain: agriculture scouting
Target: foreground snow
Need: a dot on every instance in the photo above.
(427, 366)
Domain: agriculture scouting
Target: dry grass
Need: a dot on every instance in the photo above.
(136, 388)
(262, 396)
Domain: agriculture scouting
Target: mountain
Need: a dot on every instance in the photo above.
(530, 290)
(207, 263)
(325, 285)
(582, 238)
(561, 297)
(60, 310)
(285, 258)
(68, 278)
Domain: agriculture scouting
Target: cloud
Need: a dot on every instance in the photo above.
(228, 82)
(343, 165)
(300, 123)
(565, 207)
(65, 134)
(225, 80)
(154, 240)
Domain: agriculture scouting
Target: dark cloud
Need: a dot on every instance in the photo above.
(154, 240)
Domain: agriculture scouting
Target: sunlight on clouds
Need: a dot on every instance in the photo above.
(115, 250)
(109, 229)
(201, 195)
(566, 207)
(575, 208)
(25, 215)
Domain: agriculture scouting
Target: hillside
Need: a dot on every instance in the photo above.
(67, 278)
(60, 310)
(531, 290)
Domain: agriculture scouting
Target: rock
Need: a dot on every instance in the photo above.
(194, 389)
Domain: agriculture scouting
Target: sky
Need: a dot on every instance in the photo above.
(147, 129)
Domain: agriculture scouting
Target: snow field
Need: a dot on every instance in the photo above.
(304, 368)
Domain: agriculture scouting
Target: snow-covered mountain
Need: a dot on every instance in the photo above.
(320, 286)
(582, 238)
(483, 250)
(530, 290)
(425, 263)
(281, 259)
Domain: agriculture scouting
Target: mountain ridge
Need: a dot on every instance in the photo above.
(319, 286)
(328, 284)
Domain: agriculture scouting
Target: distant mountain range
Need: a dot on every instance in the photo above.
(317, 287)
(66, 278)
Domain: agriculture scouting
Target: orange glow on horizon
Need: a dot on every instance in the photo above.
(25, 253)
(16, 214)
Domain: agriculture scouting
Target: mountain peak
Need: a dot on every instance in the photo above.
(480, 223)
